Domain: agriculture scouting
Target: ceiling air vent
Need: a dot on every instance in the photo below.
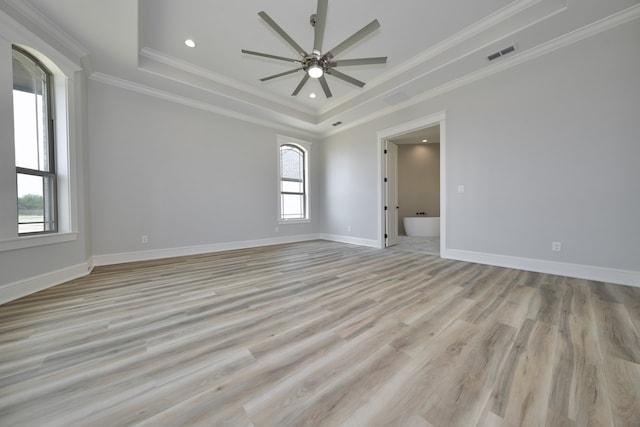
(500, 53)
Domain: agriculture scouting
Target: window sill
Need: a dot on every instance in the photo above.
(33, 241)
(294, 221)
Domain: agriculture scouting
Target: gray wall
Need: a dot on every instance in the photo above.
(418, 180)
(350, 179)
(181, 176)
(547, 150)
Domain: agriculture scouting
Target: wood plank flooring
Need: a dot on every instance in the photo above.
(321, 334)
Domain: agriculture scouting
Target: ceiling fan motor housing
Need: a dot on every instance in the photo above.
(315, 59)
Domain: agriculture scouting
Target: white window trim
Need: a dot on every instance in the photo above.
(306, 146)
(63, 70)
(36, 240)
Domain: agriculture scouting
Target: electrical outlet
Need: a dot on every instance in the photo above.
(556, 246)
(348, 228)
(460, 188)
(277, 229)
(145, 239)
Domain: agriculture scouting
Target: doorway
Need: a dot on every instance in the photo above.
(388, 188)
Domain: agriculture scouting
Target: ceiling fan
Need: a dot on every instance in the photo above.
(316, 64)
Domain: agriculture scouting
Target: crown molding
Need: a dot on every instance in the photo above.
(448, 43)
(190, 102)
(39, 20)
(579, 34)
(466, 34)
(546, 10)
(17, 33)
(188, 67)
(589, 30)
(311, 129)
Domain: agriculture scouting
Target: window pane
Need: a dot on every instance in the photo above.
(35, 166)
(293, 197)
(291, 163)
(292, 187)
(30, 114)
(30, 203)
(36, 207)
(292, 206)
(25, 129)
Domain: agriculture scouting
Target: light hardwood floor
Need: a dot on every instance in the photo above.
(321, 333)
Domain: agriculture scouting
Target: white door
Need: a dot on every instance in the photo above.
(391, 200)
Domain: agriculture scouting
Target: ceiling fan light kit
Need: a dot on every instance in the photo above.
(315, 64)
(315, 71)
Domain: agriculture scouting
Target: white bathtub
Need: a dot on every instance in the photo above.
(421, 226)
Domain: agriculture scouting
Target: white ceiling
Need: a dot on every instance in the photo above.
(429, 45)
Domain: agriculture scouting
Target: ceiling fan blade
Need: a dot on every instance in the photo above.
(267, 55)
(282, 33)
(356, 37)
(264, 79)
(359, 61)
(321, 19)
(300, 85)
(325, 87)
(345, 77)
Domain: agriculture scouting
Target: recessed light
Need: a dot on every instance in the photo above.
(312, 95)
(424, 140)
(190, 43)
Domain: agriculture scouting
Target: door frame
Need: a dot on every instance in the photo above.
(438, 118)
(390, 209)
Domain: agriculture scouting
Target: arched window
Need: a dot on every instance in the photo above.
(34, 144)
(293, 182)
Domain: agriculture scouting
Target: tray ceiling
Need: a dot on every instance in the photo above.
(428, 45)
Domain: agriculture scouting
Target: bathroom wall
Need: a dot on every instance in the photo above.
(418, 180)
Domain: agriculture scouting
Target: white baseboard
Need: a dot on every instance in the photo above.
(580, 271)
(120, 258)
(31, 285)
(352, 240)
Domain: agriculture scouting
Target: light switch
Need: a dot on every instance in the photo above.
(460, 188)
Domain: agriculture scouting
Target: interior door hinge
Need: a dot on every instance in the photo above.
(385, 208)
(385, 180)
(385, 151)
(386, 236)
